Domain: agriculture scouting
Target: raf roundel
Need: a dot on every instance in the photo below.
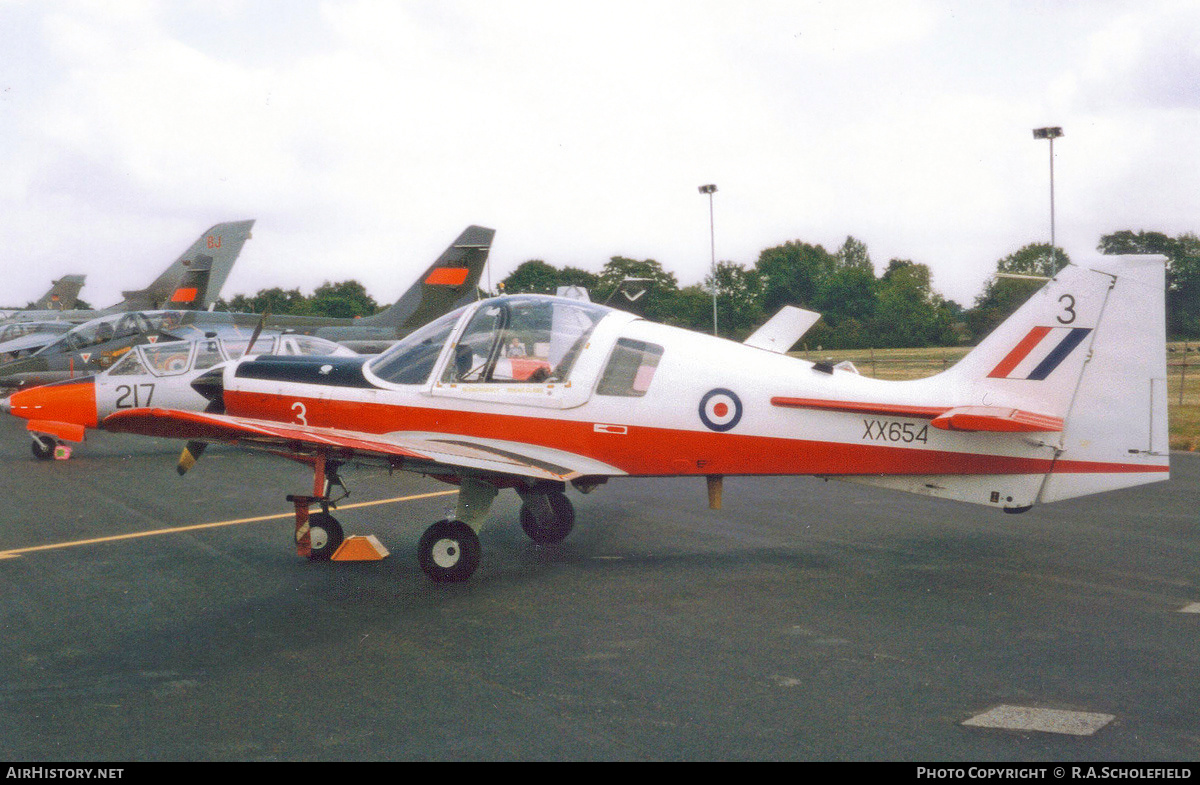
(720, 409)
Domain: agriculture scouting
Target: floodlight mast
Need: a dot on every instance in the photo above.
(710, 189)
(1050, 133)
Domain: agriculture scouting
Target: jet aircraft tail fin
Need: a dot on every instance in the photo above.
(218, 247)
(62, 295)
(192, 291)
(450, 282)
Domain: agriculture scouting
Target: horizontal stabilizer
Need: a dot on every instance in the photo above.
(862, 407)
(996, 419)
(783, 330)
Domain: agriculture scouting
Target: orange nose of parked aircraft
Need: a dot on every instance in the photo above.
(72, 401)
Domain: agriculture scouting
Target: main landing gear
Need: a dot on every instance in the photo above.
(449, 551)
(547, 517)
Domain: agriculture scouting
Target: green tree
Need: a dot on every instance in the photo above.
(532, 277)
(739, 292)
(275, 299)
(908, 311)
(692, 308)
(793, 274)
(574, 276)
(645, 288)
(853, 253)
(1002, 296)
(1183, 273)
(847, 298)
(343, 300)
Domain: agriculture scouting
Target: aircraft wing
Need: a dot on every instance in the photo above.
(432, 453)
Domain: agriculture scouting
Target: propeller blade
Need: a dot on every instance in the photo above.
(191, 453)
(257, 330)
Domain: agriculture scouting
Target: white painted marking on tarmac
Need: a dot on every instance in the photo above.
(15, 553)
(1192, 608)
(1073, 723)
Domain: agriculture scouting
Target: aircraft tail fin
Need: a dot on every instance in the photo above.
(450, 282)
(1071, 391)
(218, 247)
(1089, 350)
(1115, 424)
(192, 290)
(62, 295)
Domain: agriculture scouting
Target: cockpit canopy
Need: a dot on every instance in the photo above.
(176, 357)
(118, 325)
(523, 338)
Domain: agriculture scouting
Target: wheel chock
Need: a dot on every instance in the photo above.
(358, 548)
(62, 452)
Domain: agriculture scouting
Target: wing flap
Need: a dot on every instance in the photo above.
(425, 453)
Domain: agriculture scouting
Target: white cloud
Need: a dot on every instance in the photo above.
(365, 135)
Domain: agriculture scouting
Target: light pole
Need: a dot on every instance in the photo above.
(710, 190)
(1051, 133)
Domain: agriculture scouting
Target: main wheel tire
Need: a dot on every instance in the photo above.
(449, 551)
(554, 531)
(42, 447)
(325, 536)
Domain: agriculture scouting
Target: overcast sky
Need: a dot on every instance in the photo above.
(364, 136)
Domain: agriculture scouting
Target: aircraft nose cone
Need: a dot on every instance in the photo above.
(71, 401)
(5, 406)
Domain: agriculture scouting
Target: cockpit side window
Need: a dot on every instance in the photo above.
(129, 365)
(473, 352)
(208, 354)
(522, 340)
(263, 344)
(168, 359)
(630, 368)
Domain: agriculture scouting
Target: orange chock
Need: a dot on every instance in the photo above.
(357, 548)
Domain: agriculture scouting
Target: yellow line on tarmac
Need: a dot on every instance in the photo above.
(15, 552)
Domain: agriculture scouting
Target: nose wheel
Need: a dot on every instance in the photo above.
(42, 447)
(325, 535)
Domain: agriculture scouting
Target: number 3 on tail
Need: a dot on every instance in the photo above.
(1068, 314)
(300, 411)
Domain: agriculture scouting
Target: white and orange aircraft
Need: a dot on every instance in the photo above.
(537, 394)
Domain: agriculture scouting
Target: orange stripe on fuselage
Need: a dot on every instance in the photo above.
(644, 450)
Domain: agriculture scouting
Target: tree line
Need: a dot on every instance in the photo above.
(898, 308)
(859, 309)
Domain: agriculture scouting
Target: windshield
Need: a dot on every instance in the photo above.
(411, 360)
